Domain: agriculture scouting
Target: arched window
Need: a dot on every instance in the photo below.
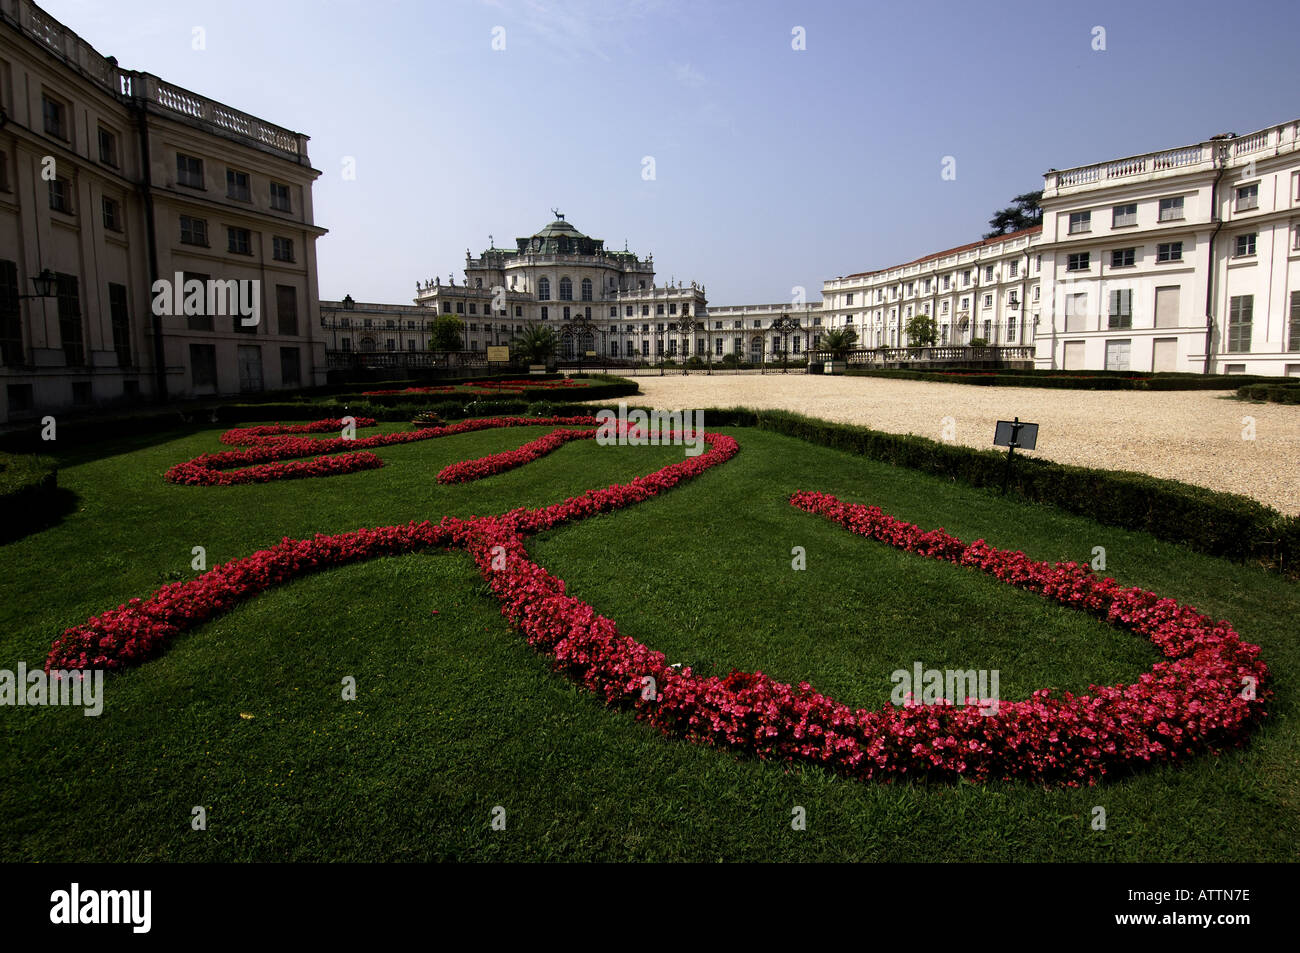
(566, 289)
(586, 289)
(478, 282)
(544, 289)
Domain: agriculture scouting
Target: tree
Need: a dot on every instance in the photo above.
(839, 341)
(448, 333)
(536, 344)
(922, 331)
(1023, 212)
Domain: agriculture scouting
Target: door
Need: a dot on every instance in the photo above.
(1164, 354)
(250, 368)
(1073, 358)
(756, 350)
(1117, 353)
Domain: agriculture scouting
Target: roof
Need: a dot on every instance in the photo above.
(952, 251)
(558, 228)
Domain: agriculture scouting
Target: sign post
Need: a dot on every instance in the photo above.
(1014, 434)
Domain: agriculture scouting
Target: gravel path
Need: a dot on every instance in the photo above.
(1193, 436)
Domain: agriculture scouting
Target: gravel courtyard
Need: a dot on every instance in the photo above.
(1193, 436)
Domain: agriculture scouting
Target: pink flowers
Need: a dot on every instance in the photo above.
(271, 444)
(1199, 699)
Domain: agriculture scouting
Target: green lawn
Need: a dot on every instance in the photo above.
(456, 714)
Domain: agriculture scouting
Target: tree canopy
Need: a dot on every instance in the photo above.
(1023, 212)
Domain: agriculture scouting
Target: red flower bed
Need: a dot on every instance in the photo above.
(239, 436)
(1187, 705)
(468, 470)
(260, 463)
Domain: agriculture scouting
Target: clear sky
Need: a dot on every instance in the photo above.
(773, 167)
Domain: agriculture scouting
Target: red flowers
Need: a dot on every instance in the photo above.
(468, 470)
(1191, 703)
(259, 463)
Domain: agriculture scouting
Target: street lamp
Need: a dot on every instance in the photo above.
(44, 285)
(784, 326)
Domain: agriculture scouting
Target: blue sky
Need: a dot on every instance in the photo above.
(773, 167)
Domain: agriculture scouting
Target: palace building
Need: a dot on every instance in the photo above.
(113, 180)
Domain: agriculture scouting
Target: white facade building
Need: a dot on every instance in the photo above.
(1184, 260)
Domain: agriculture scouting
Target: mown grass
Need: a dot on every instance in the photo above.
(455, 715)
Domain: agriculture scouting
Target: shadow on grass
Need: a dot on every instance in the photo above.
(61, 502)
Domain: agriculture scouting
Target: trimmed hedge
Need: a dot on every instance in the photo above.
(602, 388)
(1208, 521)
(1076, 380)
(28, 494)
(1277, 393)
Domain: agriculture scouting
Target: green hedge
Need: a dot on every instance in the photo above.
(1278, 393)
(1208, 521)
(28, 494)
(1074, 380)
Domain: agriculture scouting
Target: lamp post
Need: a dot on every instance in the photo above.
(44, 285)
(784, 326)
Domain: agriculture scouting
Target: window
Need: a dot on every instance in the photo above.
(1122, 216)
(1248, 197)
(1037, 289)
(1171, 210)
(988, 273)
(566, 313)
(391, 344)
(239, 241)
(286, 309)
(202, 321)
(61, 195)
(1293, 337)
(1080, 222)
(203, 365)
(1240, 312)
(613, 311)
(4, 172)
(1121, 309)
(107, 147)
(519, 311)
(672, 308)
(1076, 312)
(55, 115)
(280, 198)
(546, 313)
(943, 308)
(659, 309)
(1013, 270)
(194, 231)
(121, 323)
(988, 301)
(11, 326)
(848, 298)
(291, 367)
(566, 289)
(965, 278)
(282, 249)
(1169, 251)
(544, 289)
(645, 311)
(473, 309)
(947, 282)
(74, 354)
(189, 171)
(1080, 261)
(586, 289)
(1245, 245)
(460, 307)
(1123, 257)
(238, 187)
(112, 213)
